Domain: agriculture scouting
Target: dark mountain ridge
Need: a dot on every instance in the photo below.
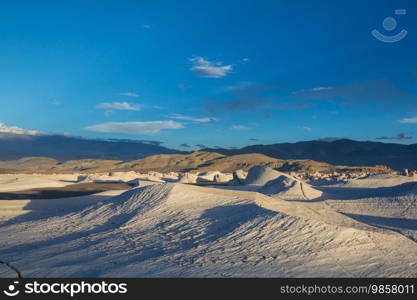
(337, 152)
(63, 148)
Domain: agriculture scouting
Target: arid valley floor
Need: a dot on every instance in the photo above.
(253, 222)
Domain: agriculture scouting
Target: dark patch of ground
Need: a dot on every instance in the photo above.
(73, 190)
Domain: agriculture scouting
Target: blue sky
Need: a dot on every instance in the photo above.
(214, 73)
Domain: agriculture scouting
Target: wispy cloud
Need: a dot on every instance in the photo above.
(129, 94)
(201, 146)
(117, 106)
(314, 89)
(147, 26)
(321, 88)
(240, 97)
(398, 137)
(17, 130)
(205, 68)
(192, 119)
(306, 128)
(155, 143)
(245, 87)
(151, 127)
(408, 120)
(244, 104)
(239, 127)
(359, 92)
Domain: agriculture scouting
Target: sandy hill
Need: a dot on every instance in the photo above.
(49, 165)
(30, 164)
(171, 162)
(177, 230)
(194, 162)
(261, 175)
(242, 161)
(85, 165)
(278, 184)
(304, 165)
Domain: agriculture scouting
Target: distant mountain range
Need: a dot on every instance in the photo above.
(333, 151)
(61, 147)
(337, 152)
(165, 163)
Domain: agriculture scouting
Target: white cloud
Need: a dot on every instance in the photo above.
(239, 87)
(55, 102)
(117, 106)
(17, 130)
(321, 88)
(147, 26)
(205, 68)
(151, 127)
(315, 89)
(408, 120)
(191, 119)
(129, 94)
(306, 128)
(239, 127)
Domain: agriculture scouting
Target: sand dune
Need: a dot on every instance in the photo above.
(278, 184)
(182, 230)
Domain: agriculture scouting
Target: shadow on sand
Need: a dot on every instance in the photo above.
(48, 208)
(354, 193)
(74, 190)
(385, 222)
(225, 219)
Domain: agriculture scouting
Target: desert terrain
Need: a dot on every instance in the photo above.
(205, 215)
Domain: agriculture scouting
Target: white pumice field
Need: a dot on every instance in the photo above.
(261, 223)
